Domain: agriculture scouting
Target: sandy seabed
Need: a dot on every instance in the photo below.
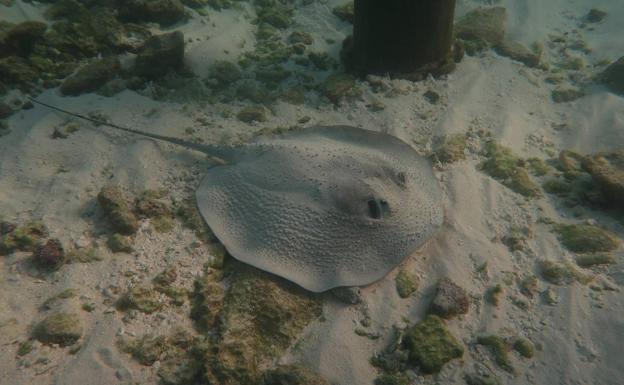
(581, 337)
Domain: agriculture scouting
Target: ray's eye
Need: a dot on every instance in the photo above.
(378, 208)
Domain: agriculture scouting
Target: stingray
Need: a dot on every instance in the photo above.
(322, 206)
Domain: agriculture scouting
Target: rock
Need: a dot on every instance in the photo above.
(5, 110)
(595, 259)
(613, 76)
(146, 350)
(432, 96)
(20, 39)
(524, 347)
(163, 12)
(431, 345)
(482, 28)
(142, 298)
(118, 243)
(563, 95)
(583, 238)
(225, 72)
(595, 15)
(450, 300)
(292, 375)
(160, 54)
(59, 328)
(607, 171)
(519, 52)
(562, 273)
(91, 77)
(498, 349)
(451, 149)
(345, 12)
(116, 209)
(49, 255)
(252, 114)
(347, 295)
(298, 37)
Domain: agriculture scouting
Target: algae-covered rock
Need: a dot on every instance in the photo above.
(499, 349)
(406, 283)
(567, 94)
(348, 295)
(117, 211)
(142, 298)
(23, 238)
(225, 72)
(524, 347)
(49, 255)
(399, 378)
(345, 12)
(482, 28)
(262, 316)
(59, 328)
(595, 260)
(91, 77)
(431, 345)
(519, 52)
(163, 12)
(159, 55)
(595, 15)
(20, 39)
(300, 37)
(146, 350)
(152, 203)
(450, 300)
(207, 300)
(607, 171)
(119, 243)
(252, 114)
(339, 86)
(507, 168)
(480, 379)
(582, 238)
(276, 14)
(452, 148)
(562, 273)
(292, 375)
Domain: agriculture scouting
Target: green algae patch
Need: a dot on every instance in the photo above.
(502, 165)
(207, 300)
(146, 350)
(118, 243)
(524, 347)
(142, 298)
(562, 273)
(65, 294)
(538, 167)
(583, 238)
(478, 379)
(406, 283)
(517, 237)
(493, 294)
(84, 255)
(498, 349)
(24, 238)
(339, 86)
(481, 28)
(63, 329)
(595, 260)
(452, 148)
(262, 316)
(393, 379)
(291, 375)
(164, 283)
(24, 348)
(431, 345)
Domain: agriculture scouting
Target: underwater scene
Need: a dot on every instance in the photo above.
(311, 192)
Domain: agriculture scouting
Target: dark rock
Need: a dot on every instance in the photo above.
(613, 76)
(160, 54)
(49, 255)
(348, 295)
(345, 12)
(91, 77)
(20, 40)
(163, 12)
(596, 15)
(450, 300)
(6, 227)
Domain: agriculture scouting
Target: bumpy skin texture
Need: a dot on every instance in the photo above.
(309, 206)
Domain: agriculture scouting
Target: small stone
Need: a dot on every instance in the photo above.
(450, 300)
(160, 54)
(348, 295)
(59, 328)
(50, 255)
(519, 52)
(252, 114)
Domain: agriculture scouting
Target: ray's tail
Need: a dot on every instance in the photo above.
(221, 152)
